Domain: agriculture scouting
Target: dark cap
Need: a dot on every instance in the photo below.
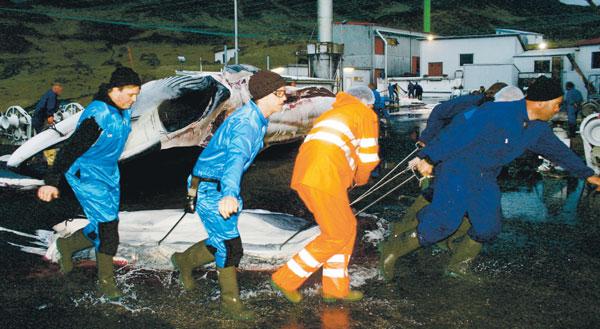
(124, 76)
(544, 89)
(262, 83)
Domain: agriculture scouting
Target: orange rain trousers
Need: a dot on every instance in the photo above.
(338, 233)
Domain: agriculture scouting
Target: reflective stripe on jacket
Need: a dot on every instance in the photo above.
(341, 148)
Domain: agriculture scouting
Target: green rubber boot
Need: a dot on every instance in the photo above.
(68, 246)
(463, 254)
(353, 296)
(294, 296)
(454, 240)
(396, 246)
(185, 262)
(106, 278)
(409, 220)
(231, 304)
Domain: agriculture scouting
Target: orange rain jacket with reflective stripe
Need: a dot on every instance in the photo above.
(341, 149)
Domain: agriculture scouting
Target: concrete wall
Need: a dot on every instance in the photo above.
(357, 78)
(359, 48)
(488, 74)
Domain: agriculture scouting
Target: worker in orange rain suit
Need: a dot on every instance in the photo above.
(340, 152)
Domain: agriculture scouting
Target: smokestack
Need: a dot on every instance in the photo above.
(325, 20)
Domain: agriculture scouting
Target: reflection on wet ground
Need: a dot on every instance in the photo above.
(541, 272)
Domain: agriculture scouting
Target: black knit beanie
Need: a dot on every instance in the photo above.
(544, 89)
(124, 76)
(262, 83)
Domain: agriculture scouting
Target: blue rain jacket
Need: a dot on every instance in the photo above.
(228, 155)
(571, 98)
(469, 154)
(379, 101)
(443, 113)
(94, 176)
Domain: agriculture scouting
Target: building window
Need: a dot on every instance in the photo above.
(596, 60)
(541, 66)
(435, 69)
(466, 59)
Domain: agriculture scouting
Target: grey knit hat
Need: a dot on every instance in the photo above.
(262, 83)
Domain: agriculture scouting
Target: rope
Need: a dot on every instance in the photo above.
(366, 194)
(383, 196)
(380, 183)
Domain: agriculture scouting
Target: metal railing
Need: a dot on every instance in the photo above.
(16, 123)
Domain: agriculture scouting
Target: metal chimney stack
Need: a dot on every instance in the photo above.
(325, 20)
(324, 56)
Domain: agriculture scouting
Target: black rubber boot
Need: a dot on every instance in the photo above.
(396, 246)
(106, 278)
(231, 304)
(68, 246)
(185, 262)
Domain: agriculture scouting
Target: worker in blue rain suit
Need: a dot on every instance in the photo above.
(89, 164)
(379, 105)
(572, 105)
(468, 156)
(217, 176)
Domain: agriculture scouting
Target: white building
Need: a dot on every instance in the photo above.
(528, 38)
(219, 58)
(448, 56)
(579, 65)
(372, 53)
(448, 63)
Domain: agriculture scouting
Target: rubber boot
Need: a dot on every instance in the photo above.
(409, 220)
(459, 235)
(396, 246)
(294, 296)
(231, 304)
(68, 246)
(106, 278)
(464, 253)
(185, 262)
(353, 296)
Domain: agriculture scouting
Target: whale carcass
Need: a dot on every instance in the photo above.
(185, 110)
(263, 234)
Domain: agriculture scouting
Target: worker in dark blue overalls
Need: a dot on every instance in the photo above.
(468, 156)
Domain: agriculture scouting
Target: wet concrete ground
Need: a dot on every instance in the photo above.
(540, 273)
